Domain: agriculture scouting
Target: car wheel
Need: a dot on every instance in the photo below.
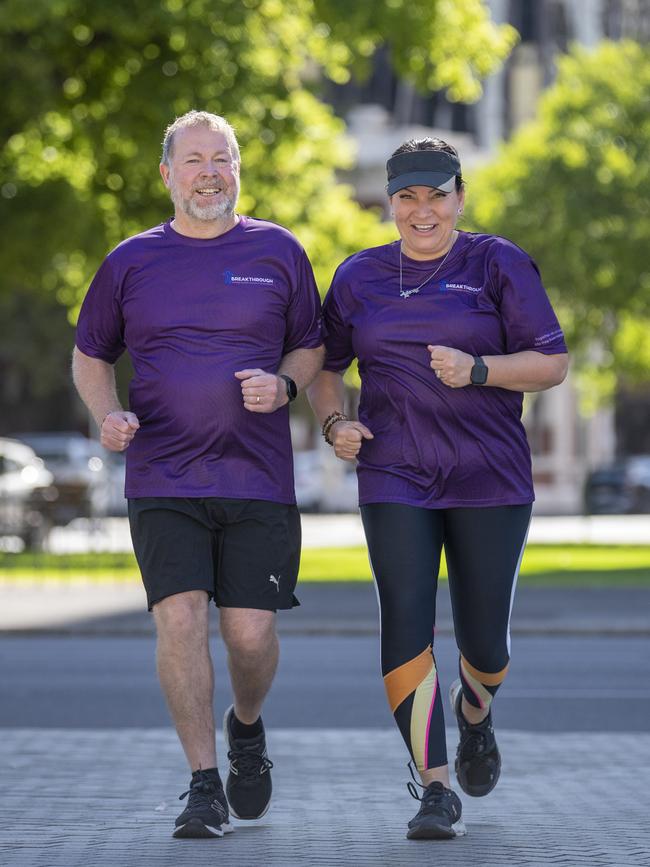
(35, 538)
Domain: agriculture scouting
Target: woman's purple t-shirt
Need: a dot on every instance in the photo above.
(435, 446)
(190, 312)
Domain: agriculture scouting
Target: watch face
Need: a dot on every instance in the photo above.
(479, 373)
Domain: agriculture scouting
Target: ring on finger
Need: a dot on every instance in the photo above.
(438, 373)
(258, 399)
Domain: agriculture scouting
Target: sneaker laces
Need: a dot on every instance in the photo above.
(475, 738)
(247, 763)
(200, 789)
(436, 794)
(428, 798)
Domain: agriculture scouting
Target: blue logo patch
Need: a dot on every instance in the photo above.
(229, 277)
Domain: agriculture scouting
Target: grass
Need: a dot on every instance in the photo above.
(569, 565)
(549, 565)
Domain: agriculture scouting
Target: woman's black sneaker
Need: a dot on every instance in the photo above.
(478, 763)
(439, 815)
(206, 814)
(249, 782)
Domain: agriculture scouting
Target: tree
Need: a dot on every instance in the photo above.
(438, 45)
(573, 188)
(91, 87)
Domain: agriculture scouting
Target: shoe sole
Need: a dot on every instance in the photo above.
(437, 832)
(454, 689)
(226, 735)
(195, 829)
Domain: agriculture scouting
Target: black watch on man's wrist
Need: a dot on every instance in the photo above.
(292, 388)
(479, 373)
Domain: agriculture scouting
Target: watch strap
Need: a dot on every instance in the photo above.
(290, 385)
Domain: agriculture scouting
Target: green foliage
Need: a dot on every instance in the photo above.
(437, 44)
(94, 85)
(573, 188)
(91, 86)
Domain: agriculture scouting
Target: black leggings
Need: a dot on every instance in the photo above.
(483, 547)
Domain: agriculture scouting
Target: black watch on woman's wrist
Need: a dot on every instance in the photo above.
(479, 373)
(292, 388)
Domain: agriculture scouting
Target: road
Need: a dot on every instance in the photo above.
(556, 683)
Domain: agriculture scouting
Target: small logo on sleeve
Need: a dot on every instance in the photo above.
(553, 336)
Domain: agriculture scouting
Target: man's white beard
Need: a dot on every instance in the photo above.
(224, 207)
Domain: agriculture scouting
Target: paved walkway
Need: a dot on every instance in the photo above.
(109, 798)
(334, 608)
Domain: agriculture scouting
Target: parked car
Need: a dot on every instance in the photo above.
(622, 487)
(26, 494)
(82, 479)
(116, 467)
(323, 482)
(308, 477)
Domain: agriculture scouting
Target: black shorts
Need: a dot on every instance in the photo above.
(243, 553)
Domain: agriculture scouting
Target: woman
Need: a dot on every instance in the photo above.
(449, 328)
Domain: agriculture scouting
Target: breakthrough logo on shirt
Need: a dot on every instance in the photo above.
(459, 287)
(229, 277)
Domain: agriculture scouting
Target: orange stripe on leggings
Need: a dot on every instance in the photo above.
(402, 681)
(483, 677)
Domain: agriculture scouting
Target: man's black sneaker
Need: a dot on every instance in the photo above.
(439, 815)
(206, 814)
(249, 782)
(478, 763)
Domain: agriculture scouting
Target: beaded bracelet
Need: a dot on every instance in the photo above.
(329, 423)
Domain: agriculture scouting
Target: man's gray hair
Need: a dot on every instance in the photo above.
(199, 118)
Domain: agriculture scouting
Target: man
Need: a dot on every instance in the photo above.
(221, 318)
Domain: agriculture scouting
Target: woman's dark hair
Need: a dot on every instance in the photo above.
(429, 144)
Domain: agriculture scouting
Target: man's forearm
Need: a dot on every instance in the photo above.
(94, 379)
(302, 365)
(326, 394)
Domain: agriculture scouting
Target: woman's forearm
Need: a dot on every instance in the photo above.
(519, 371)
(526, 371)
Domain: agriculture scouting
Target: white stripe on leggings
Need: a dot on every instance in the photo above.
(514, 582)
(374, 581)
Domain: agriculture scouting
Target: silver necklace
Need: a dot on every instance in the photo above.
(406, 293)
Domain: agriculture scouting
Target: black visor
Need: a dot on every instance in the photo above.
(422, 168)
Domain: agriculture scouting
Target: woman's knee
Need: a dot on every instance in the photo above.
(486, 658)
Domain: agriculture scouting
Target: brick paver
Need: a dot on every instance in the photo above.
(100, 798)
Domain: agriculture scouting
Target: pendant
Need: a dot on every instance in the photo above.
(406, 293)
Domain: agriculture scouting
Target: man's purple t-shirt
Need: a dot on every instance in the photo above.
(436, 446)
(190, 312)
